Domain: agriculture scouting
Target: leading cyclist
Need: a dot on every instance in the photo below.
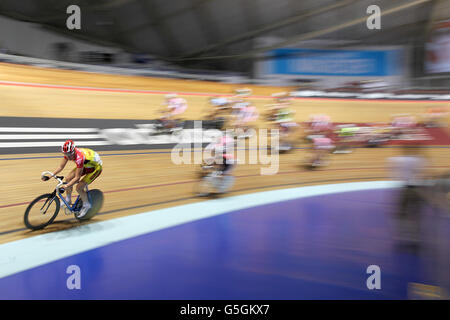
(88, 164)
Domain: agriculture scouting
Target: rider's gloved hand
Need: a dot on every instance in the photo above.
(44, 178)
(219, 173)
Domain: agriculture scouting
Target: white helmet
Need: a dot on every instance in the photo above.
(171, 96)
(281, 96)
(243, 92)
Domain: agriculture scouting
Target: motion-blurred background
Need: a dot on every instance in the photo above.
(235, 37)
(358, 91)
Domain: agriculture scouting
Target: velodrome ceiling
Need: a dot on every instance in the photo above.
(194, 29)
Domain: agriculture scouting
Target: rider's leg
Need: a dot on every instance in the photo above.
(83, 195)
(164, 120)
(81, 186)
(170, 120)
(68, 196)
(89, 178)
(227, 177)
(241, 130)
(316, 157)
(284, 136)
(227, 183)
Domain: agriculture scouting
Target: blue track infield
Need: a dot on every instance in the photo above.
(308, 248)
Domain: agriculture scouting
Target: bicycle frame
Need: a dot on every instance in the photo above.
(218, 181)
(57, 193)
(74, 205)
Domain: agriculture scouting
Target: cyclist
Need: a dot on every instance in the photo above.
(239, 101)
(176, 106)
(347, 137)
(403, 125)
(219, 113)
(321, 147)
(284, 122)
(88, 164)
(223, 159)
(320, 124)
(239, 94)
(244, 119)
(218, 103)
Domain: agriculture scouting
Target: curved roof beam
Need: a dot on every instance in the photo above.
(274, 26)
(40, 18)
(305, 36)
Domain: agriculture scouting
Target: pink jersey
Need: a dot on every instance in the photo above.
(320, 123)
(323, 143)
(177, 105)
(225, 146)
(404, 122)
(248, 114)
(239, 105)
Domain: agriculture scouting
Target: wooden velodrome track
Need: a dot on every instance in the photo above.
(138, 183)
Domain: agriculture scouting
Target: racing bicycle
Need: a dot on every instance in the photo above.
(43, 210)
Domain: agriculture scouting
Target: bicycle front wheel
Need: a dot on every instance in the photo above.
(41, 211)
(204, 187)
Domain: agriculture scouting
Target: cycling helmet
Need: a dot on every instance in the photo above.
(281, 96)
(244, 92)
(68, 147)
(171, 96)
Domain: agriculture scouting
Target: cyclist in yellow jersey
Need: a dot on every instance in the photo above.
(88, 164)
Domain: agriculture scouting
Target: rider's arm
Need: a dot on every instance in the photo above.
(209, 150)
(61, 166)
(170, 108)
(76, 178)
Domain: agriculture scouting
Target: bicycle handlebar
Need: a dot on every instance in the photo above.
(58, 178)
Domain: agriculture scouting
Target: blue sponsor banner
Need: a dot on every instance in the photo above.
(315, 62)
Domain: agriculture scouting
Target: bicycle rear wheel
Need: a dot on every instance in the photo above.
(204, 187)
(41, 211)
(96, 197)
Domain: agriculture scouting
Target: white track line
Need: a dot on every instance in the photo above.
(48, 144)
(47, 136)
(40, 129)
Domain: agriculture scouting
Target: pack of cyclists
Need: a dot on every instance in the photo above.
(321, 136)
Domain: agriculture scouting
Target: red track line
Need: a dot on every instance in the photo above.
(151, 186)
(14, 205)
(192, 181)
(117, 190)
(52, 86)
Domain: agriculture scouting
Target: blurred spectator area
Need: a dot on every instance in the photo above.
(375, 85)
(176, 37)
(96, 57)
